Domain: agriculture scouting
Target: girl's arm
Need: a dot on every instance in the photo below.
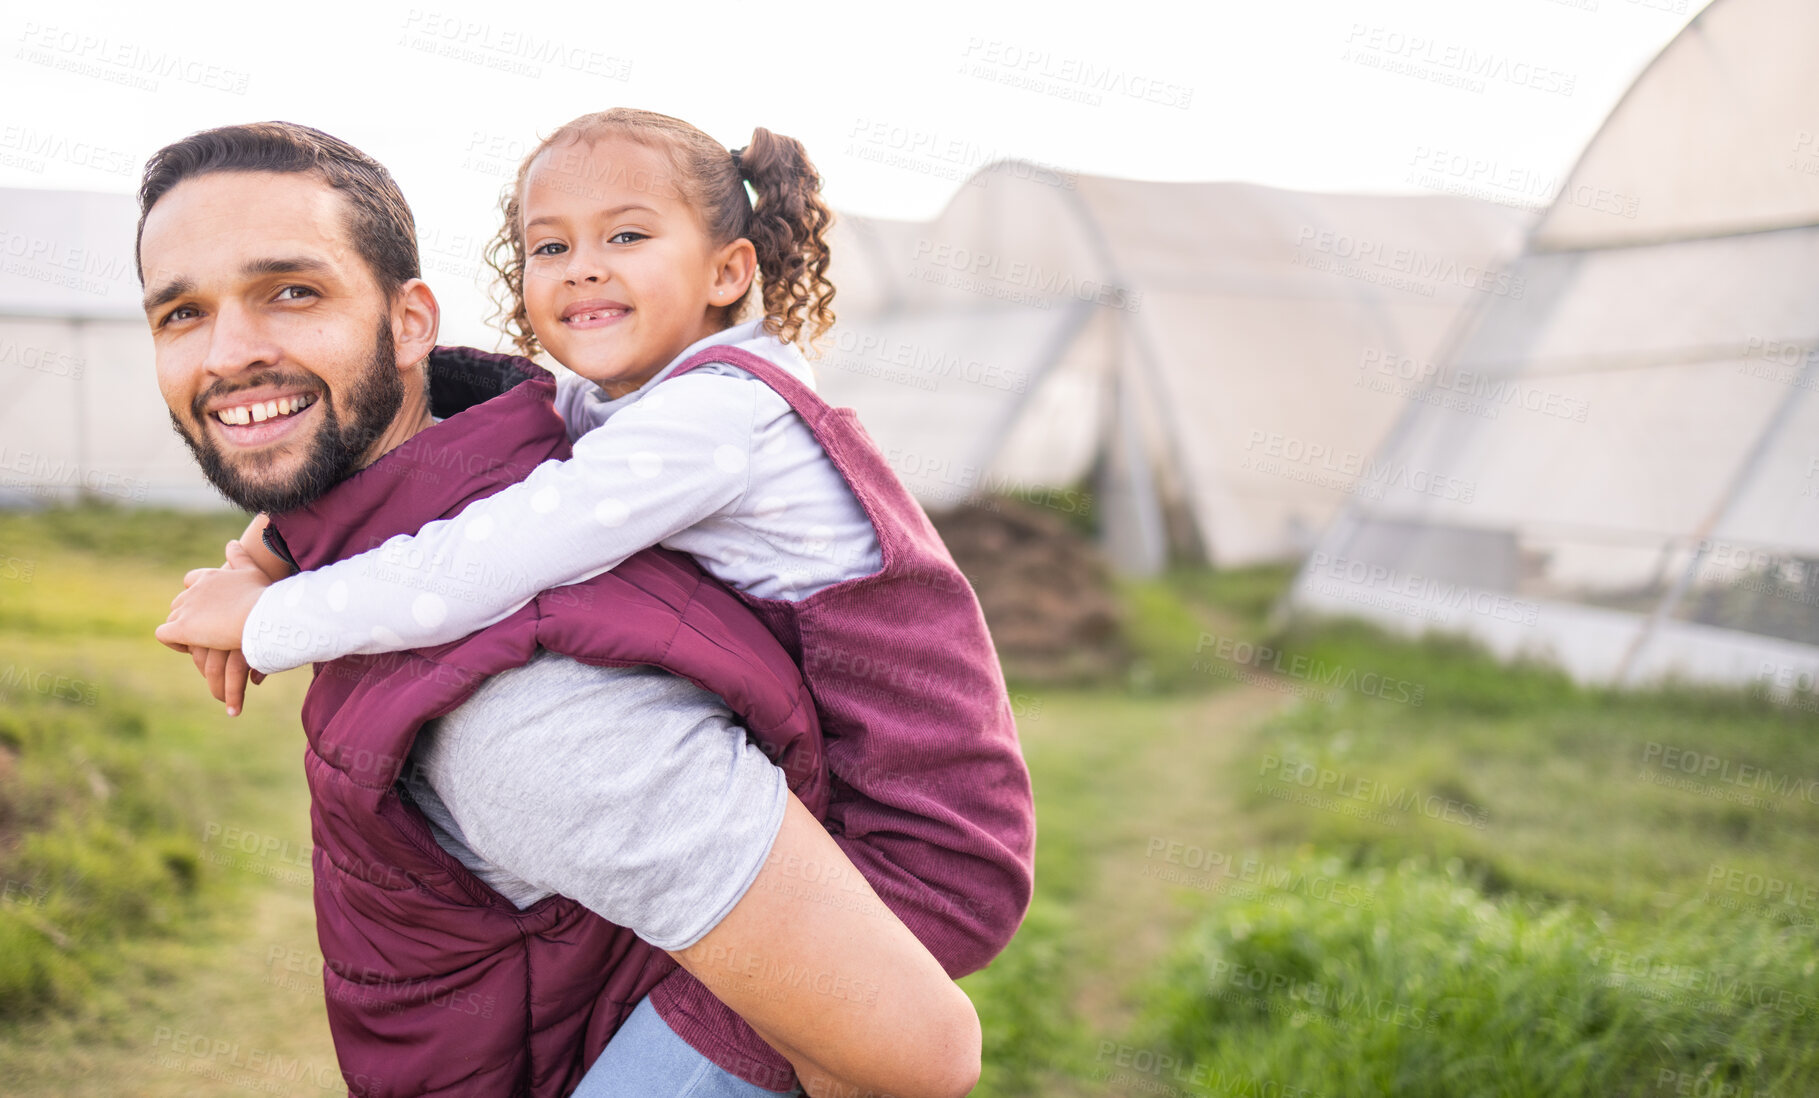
(654, 469)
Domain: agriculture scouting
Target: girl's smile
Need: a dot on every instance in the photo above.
(593, 313)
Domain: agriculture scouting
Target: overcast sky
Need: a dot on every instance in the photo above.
(897, 103)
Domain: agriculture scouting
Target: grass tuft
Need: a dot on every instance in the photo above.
(1413, 981)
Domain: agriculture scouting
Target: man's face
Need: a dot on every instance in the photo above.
(272, 338)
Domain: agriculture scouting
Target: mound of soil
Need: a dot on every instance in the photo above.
(1045, 589)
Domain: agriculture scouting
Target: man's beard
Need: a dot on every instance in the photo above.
(373, 401)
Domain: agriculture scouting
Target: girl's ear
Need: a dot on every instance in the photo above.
(734, 266)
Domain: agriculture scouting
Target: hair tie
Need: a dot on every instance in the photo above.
(745, 177)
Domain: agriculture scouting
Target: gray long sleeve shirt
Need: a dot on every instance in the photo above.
(627, 789)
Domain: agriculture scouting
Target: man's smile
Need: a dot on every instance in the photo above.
(258, 419)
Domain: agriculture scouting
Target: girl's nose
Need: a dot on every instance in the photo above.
(584, 265)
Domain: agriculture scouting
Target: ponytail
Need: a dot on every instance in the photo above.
(787, 228)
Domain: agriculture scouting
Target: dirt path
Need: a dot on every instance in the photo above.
(1176, 812)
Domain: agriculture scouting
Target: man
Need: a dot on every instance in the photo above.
(579, 753)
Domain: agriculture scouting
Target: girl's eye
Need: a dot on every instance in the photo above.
(554, 247)
(620, 238)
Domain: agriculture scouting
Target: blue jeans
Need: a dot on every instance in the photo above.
(646, 1059)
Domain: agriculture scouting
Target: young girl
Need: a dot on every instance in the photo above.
(629, 245)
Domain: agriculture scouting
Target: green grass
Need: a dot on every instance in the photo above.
(97, 571)
(120, 784)
(1451, 876)
(1413, 982)
(1169, 619)
(1024, 998)
(1454, 876)
(1540, 786)
(100, 830)
(105, 842)
(1507, 884)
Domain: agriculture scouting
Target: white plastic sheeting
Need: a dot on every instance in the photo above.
(82, 412)
(1216, 361)
(1645, 501)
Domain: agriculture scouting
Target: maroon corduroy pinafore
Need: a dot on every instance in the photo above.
(930, 795)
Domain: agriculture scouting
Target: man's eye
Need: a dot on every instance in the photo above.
(554, 247)
(295, 293)
(181, 312)
(620, 238)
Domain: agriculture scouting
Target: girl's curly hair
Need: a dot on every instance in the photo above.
(787, 222)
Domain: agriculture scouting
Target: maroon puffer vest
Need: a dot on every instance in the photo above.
(436, 984)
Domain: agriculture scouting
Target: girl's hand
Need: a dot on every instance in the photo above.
(208, 618)
(226, 674)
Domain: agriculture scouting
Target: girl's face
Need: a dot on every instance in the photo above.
(619, 277)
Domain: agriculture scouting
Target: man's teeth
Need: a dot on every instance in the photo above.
(259, 413)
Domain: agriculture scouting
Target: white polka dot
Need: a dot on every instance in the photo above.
(645, 464)
(429, 610)
(293, 594)
(546, 500)
(729, 459)
(612, 512)
(387, 639)
(776, 445)
(479, 528)
(337, 596)
(771, 507)
(820, 538)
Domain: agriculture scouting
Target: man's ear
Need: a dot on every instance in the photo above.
(734, 265)
(416, 318)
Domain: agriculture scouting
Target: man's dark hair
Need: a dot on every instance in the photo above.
(379, 220)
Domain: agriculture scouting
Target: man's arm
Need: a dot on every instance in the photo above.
(876, 1008)
(253, 541)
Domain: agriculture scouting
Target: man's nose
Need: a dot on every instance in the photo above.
(237, 342)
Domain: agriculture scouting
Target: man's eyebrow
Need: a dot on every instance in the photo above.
(285, 265)
(167, 293)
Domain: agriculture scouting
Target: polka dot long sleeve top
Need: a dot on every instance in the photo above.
(713, 464)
